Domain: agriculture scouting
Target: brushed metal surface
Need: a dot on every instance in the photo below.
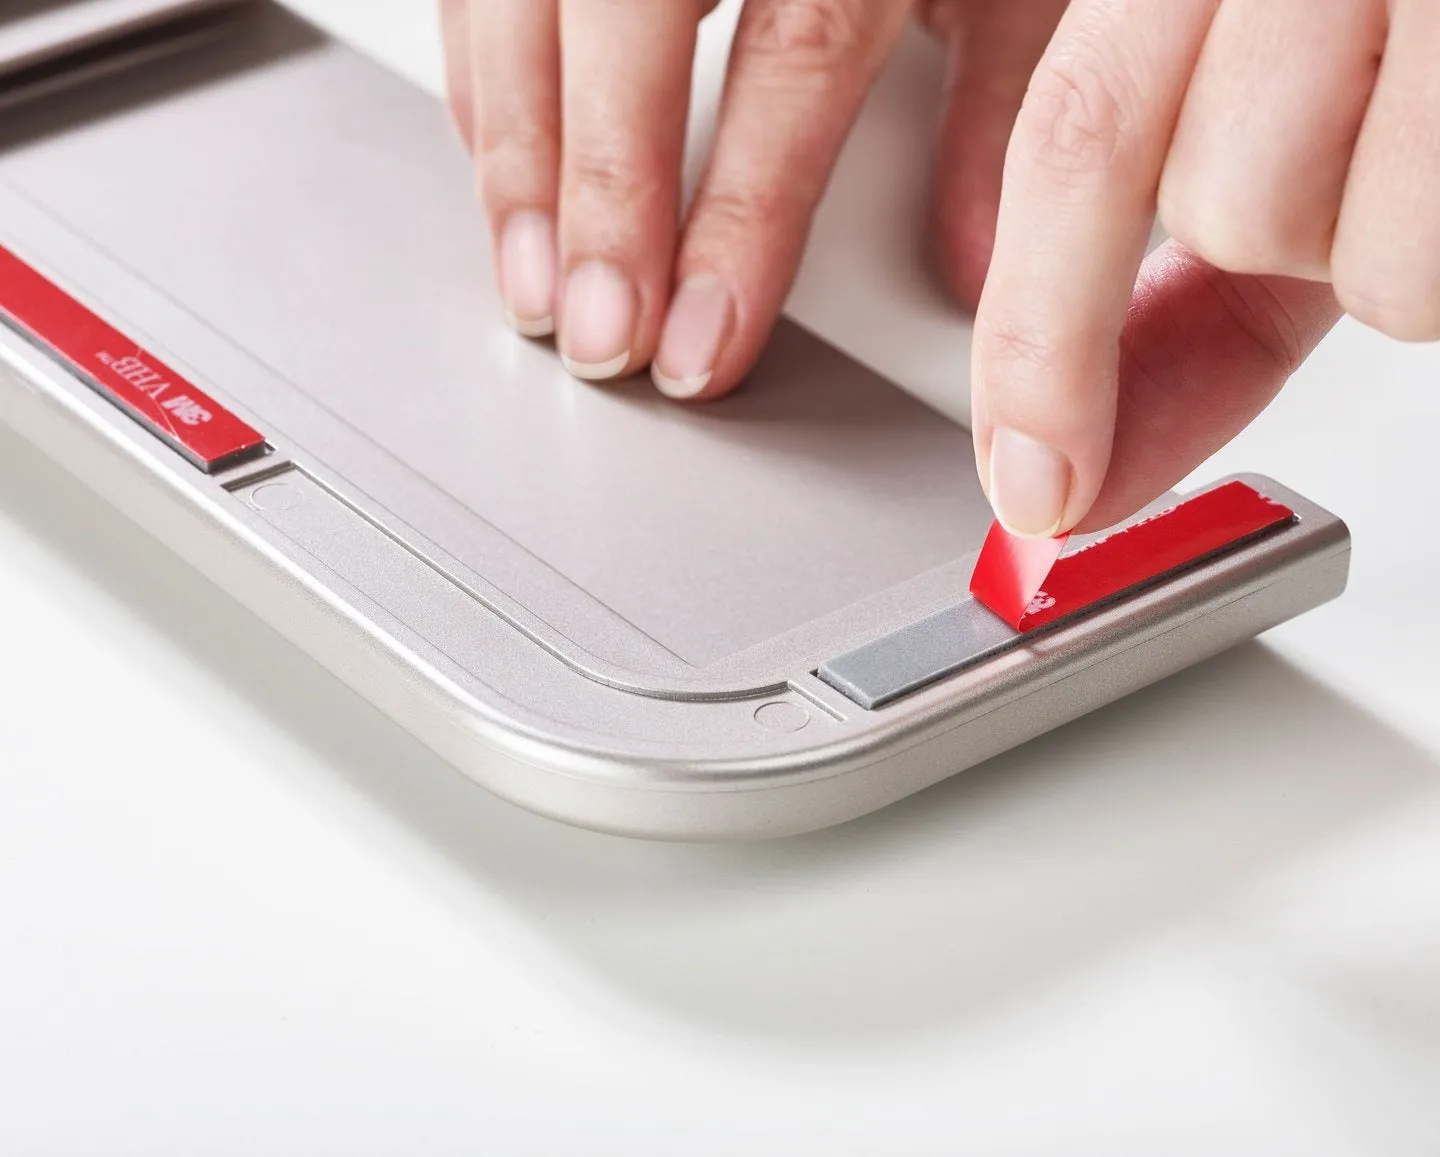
(587, 599)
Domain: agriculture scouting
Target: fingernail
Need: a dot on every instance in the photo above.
(697, 325)
(597, 321)
(527, 272)
(1029, 484)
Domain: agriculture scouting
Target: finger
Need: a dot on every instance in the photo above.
(799, 70)
(993, 50)
(627, 67)
(516, 47)
(459, 74)
(1257, 169)
(1203, 353)
(1075, 218)
(1387, 250)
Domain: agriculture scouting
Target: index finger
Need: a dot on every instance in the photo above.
(1076, 212)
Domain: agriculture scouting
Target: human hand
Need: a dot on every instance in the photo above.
(579, 154)
(1290, 147)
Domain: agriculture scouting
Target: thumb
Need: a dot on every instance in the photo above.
(1203, 352)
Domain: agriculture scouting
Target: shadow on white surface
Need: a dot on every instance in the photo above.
(977, 892)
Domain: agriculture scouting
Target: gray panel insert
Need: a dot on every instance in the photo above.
(948, 642)
(922, 653)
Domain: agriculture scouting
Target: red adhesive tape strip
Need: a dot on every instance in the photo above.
(1011, 571)
(1028, 584)
(185, 417)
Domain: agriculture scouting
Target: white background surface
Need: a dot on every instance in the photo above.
(241, 913)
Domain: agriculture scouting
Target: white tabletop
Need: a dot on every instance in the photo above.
(242, 913)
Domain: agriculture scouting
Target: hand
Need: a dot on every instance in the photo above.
(575, 112)
(1292, 148)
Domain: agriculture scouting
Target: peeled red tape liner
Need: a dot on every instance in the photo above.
(1030, 583)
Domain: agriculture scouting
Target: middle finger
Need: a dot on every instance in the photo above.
(626, 68)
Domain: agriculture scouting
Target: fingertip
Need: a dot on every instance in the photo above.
(526, 260)
(679, 389)
(597, 324)
(695, 338)
(1030, 486)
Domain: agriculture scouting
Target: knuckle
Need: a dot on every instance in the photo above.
(515, 166)
(1219, 238)
(1075, 119)
(1240, 238)
(611, 175)
(516, 146)
(743, 212)
(809, 36)
(1411, 317)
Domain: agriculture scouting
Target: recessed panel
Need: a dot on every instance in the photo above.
(320, 215)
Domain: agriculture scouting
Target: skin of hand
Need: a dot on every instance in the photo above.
(1289, 148)
(1286, 146)
(575, 114)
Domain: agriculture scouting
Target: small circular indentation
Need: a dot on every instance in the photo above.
(276, 496)
(783, 717)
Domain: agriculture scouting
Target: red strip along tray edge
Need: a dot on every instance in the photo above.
(1029, 583)
(115, 366)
